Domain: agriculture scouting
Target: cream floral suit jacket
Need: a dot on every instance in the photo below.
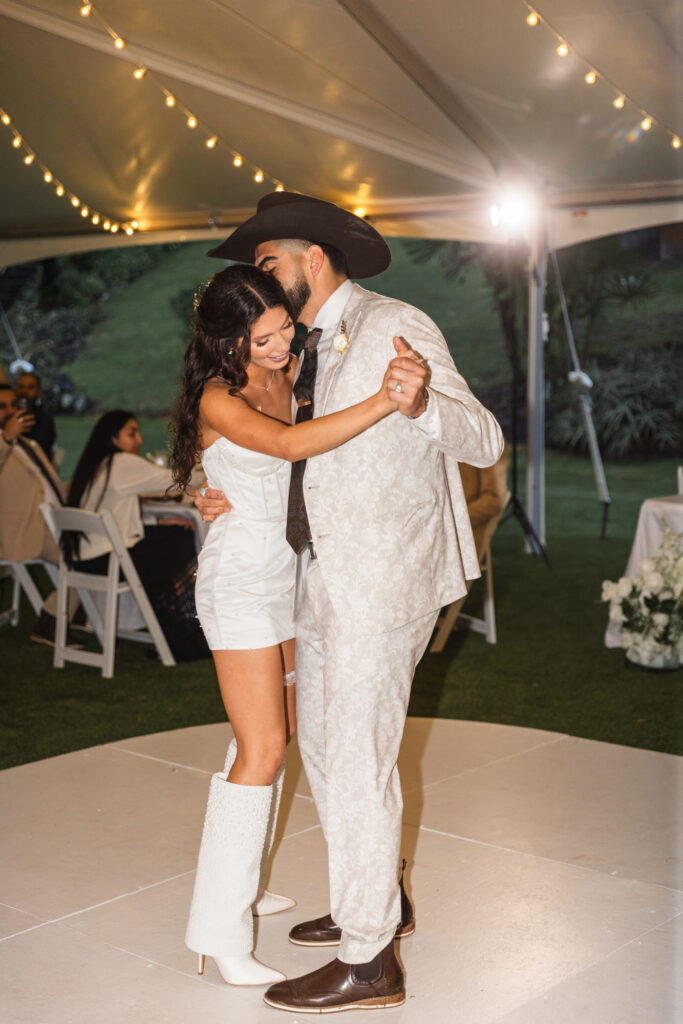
(387, 512)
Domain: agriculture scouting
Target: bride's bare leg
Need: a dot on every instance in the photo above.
(287, 649)
(251, 687)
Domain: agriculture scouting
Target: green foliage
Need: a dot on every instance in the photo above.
(637, 406)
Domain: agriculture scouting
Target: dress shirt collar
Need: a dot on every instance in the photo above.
(330, 313)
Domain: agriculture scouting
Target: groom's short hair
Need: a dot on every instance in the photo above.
(335, 256)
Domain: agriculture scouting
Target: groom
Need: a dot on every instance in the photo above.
(384, 538)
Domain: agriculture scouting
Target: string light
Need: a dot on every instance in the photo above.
(591, 75)
(134, 224)
(30, 158)
(129, 231)
(106, 225)
(279, 188)
(191, 121)
(114, 228)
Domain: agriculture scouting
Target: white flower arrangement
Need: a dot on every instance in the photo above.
(648, 608)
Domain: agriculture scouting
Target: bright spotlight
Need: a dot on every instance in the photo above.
(513, 212)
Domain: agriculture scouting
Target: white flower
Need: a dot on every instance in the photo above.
(609, 590)
(616, 615)
(653, 582)
(341, 339)
(660, 619)
(647, 565)
(624, 586)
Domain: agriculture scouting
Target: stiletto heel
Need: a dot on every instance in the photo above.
(200, 965)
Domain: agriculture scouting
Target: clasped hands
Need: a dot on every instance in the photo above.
(406, 387)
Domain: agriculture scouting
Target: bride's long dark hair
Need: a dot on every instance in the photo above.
(220, 346)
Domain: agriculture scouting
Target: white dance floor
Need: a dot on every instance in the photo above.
(543, 869)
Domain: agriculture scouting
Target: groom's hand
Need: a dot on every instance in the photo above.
(211, 503)
(409, 372)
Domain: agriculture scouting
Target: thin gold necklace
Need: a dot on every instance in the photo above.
(267, 386)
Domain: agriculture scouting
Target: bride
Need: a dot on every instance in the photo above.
(235, 411)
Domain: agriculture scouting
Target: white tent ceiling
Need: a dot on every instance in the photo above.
(420, 112)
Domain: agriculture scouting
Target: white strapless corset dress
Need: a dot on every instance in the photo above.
(246, 573)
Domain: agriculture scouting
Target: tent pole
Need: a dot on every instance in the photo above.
(535, 468)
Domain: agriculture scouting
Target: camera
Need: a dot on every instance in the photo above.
(27, 405)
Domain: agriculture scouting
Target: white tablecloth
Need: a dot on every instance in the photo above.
(647, 539)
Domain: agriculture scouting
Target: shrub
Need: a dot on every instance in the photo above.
(637, 406)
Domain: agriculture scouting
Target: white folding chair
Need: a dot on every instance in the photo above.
(120, 563)
(22, 580)
(452, 616)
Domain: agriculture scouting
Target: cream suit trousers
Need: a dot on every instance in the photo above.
(352, 698)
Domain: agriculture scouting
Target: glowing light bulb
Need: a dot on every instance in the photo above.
(237, 161)
(258, 177)
(211, 143)
(562, 50)
(590, 78)
(192, 121)
(85, 10)
(360, 211)
(95, 218)
(676, 142)
(618, 102)
(646, 124)
(279, 188)
(16, 141)
(170, 100)
(85, 212)
(75, 202)
(114, 228)
(47, 176)
(139, 73)
(60, 190)
(106, 225)
(129, 231)
(6, 119)
(532, 18)
(134, 224)
(28, 159)
(119, 43)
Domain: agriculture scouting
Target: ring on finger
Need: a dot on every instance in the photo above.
(202, 491)
(398, 387)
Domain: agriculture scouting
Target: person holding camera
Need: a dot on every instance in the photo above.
(30, 399)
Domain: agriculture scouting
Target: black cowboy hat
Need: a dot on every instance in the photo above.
(291, 215)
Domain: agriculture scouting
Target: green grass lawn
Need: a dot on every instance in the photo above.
(549, 670)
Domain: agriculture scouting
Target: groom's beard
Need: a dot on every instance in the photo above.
(298, 294)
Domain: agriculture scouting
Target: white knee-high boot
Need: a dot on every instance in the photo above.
(267, 902)
(226, 881)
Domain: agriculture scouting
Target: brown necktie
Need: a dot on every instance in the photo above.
(298, 530)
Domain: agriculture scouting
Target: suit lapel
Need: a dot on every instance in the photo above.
(351, 314)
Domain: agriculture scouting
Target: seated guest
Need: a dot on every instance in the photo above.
(111, 475)
(27, 478)
(486, 494)
(29, 391)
